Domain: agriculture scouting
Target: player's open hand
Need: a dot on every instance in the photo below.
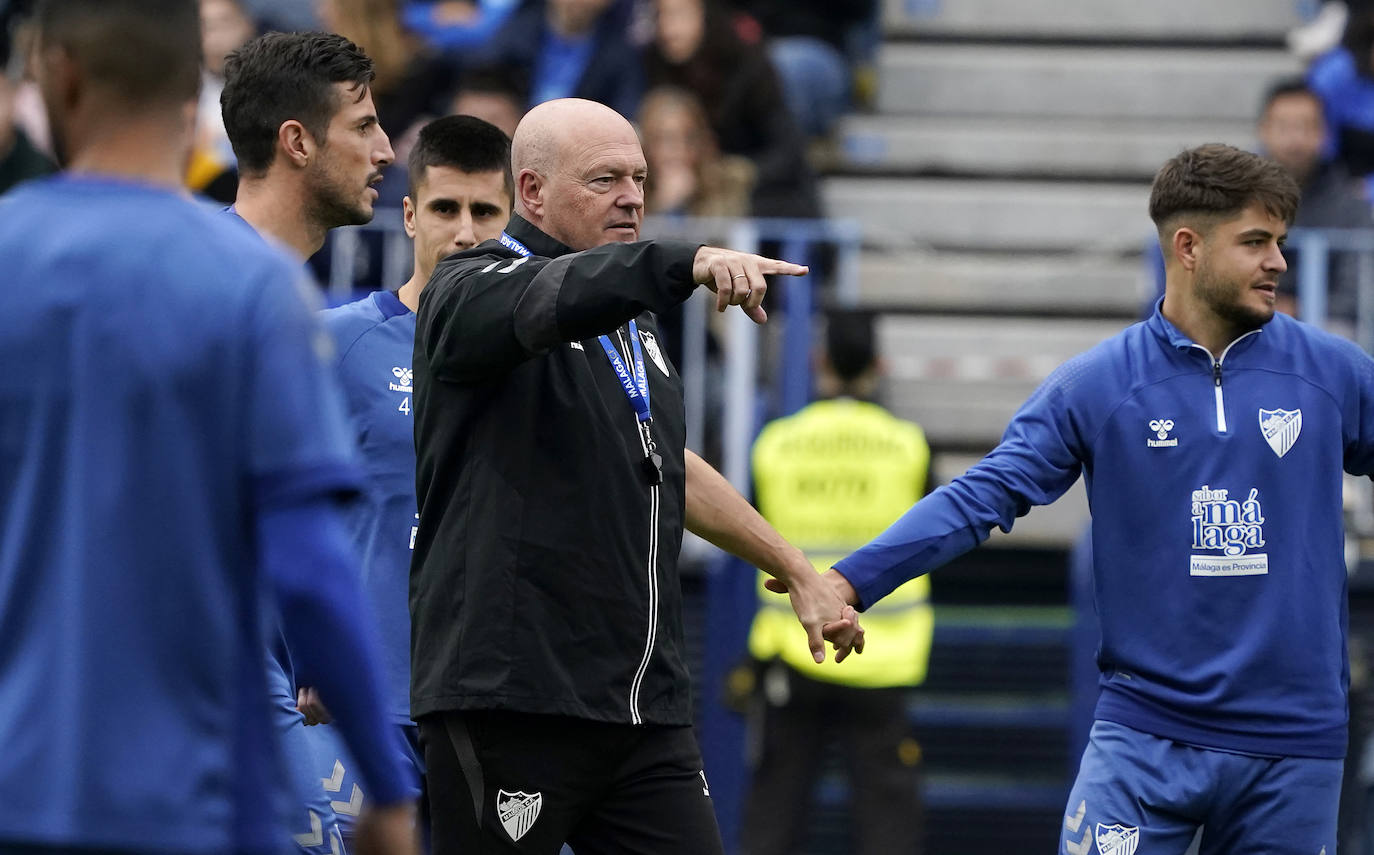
(738, 278)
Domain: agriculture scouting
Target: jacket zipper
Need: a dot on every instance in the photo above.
(1216, 378)
(651, 635)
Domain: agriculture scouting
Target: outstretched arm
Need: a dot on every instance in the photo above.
(717, 512)
(480, 317)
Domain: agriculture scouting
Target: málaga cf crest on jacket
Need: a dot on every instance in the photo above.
(1215, 488)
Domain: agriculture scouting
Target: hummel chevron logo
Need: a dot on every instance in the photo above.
(1072, 824)
(316, 835)
(334, 782)
(353, 806)
(1082, 847)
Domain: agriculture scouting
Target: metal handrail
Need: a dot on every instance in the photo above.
(1315, 248)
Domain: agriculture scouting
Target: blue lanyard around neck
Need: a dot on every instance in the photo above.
(514, 245)
(636, 385)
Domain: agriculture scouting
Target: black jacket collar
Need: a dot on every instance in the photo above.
(535, 240)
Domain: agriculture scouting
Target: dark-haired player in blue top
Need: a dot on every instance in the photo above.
(171, 457)
(299, 113)
(1213, 439)
(460, 195)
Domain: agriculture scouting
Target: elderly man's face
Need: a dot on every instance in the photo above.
(595, 194)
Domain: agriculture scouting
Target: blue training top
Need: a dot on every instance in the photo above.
(374, 342)
(161, 382)
(1215, 489)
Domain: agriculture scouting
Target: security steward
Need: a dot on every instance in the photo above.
(830, 478)
(548, 665)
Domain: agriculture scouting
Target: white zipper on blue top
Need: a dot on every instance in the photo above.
(1216, 378)
(651, 636)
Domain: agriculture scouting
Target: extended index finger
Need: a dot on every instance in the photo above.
(770, 266)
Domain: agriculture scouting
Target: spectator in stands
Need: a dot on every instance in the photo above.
(687, 172)
(572, 48)
(457, 25)
(411, 80)
(813, 44)
(19, 158)
(496, 95)
(225, 26)
(830, 477)
(1344, 80)
(696, 49)
(1292, 131)
(689, 176)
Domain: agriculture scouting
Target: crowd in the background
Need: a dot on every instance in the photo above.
(743, 95)
(737, 98)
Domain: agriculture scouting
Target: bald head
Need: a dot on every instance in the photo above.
(579, 172)
(555, 129)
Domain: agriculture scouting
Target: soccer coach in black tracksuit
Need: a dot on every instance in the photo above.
(548, 666)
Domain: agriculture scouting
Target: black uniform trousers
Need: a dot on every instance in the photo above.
(502, 783)
(791, 723)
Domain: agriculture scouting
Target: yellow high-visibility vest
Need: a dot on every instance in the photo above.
(830, 478)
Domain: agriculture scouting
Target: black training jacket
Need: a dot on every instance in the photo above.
(544, 578)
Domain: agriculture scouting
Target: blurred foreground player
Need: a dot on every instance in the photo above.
(159, 482)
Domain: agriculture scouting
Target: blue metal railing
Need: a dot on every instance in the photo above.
(1317, 249)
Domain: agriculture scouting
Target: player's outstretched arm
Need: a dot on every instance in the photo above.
(717, 512)
(304, 553)
(738, 277)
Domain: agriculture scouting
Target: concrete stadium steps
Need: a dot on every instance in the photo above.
(1181, 20)
(991, 719)
(997, 215)
(1077, 82)
(962, 378)
(1072, 284)
(998, 147)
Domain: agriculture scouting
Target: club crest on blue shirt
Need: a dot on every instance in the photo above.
(651, 347)
(1280, 428)
(1117, 839)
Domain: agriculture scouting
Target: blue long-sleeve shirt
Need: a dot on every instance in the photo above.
(374, 338)
(170, 447)
(1215, 489)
